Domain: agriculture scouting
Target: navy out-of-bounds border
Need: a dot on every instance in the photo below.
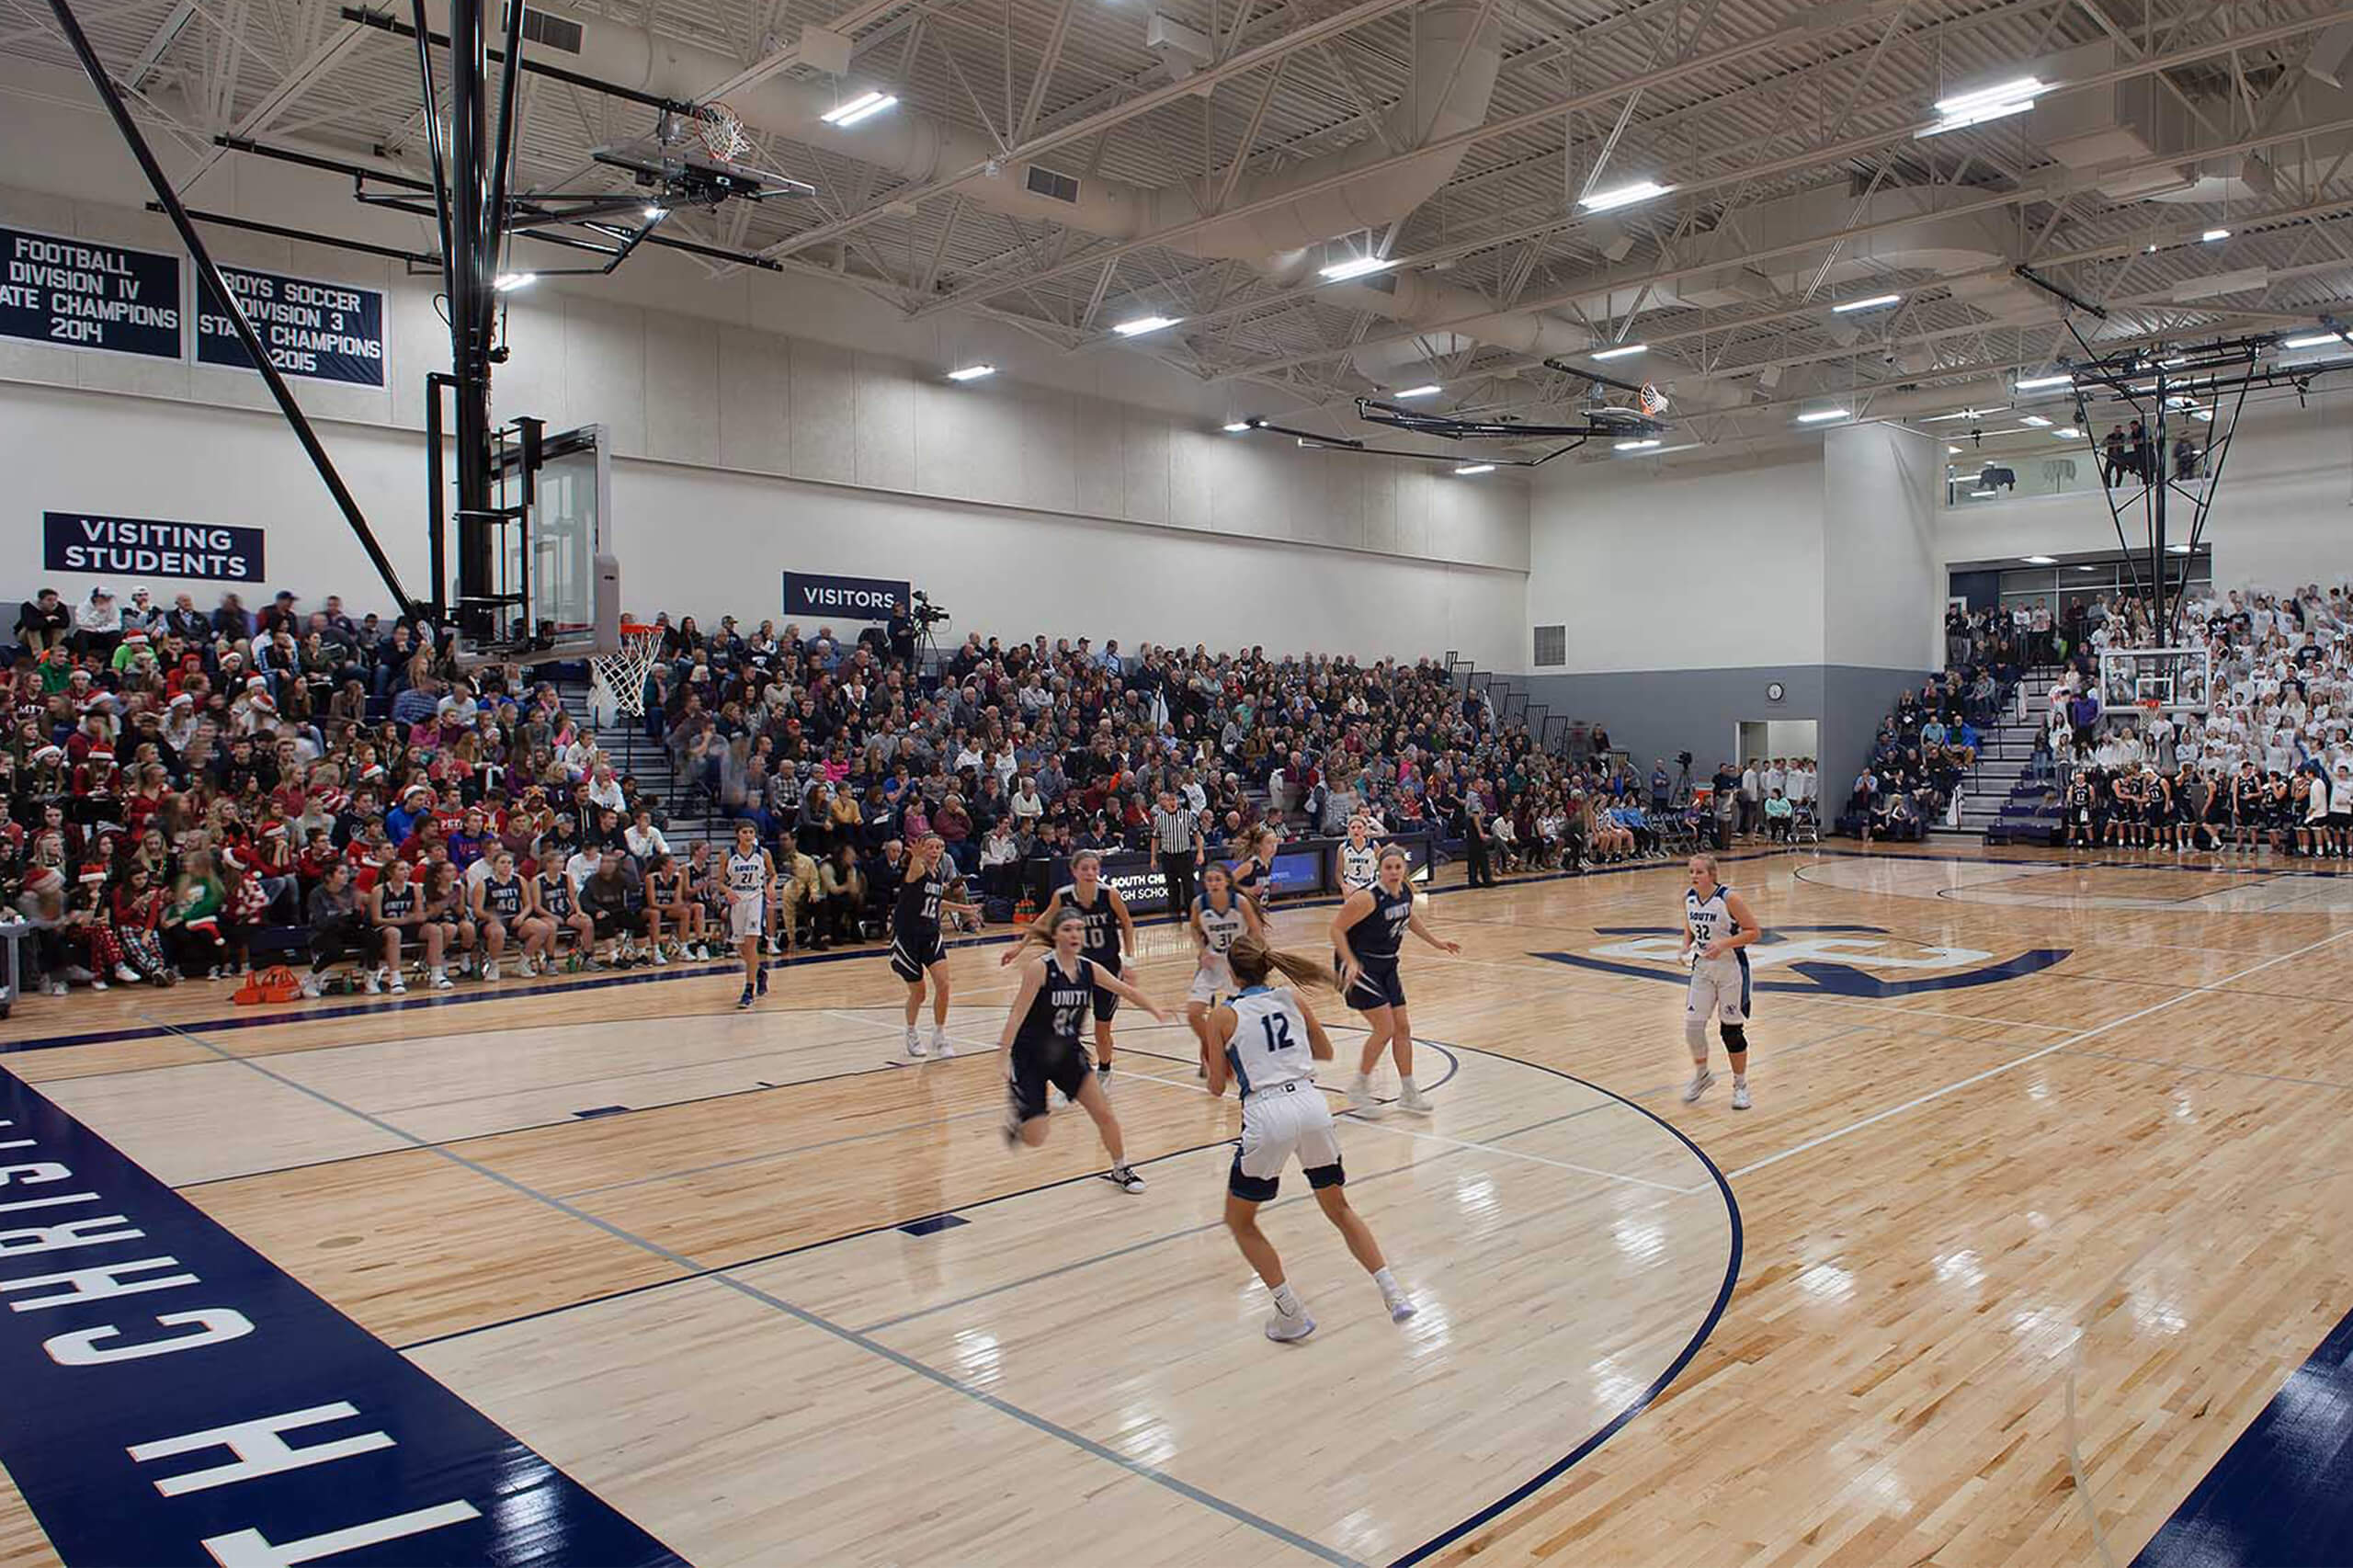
(1641, 1401)
(2279, 1496)
(173, 1397)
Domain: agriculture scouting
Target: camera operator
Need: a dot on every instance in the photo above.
(901, 632)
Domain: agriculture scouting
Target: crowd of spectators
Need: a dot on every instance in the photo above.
(187, 792)
(1022, 752)
(1931, 740)
(2261, 757)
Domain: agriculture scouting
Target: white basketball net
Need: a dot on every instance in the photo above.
(723, 133)
(620, 676)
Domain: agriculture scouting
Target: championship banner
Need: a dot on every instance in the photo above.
(844, 598)
(119, 547)
(328, 332)
(88, 294)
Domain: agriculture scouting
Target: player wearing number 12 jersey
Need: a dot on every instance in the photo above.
(1268, 1042)
(1042, 1044)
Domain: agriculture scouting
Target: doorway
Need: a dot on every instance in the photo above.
(1760, 738)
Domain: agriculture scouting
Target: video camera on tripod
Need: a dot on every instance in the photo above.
(923, 612)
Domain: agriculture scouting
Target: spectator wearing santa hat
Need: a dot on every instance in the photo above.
(254, 710)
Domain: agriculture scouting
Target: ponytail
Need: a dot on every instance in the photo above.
(1252, 961)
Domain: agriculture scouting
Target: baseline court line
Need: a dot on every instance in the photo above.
(2037, 1055)
(803, 1316)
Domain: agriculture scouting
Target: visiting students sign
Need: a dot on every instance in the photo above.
(116, 546)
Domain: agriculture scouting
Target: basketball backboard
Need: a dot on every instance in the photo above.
(562, 562)
(2177, 679)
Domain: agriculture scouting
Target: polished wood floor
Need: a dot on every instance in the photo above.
(2038, 1204)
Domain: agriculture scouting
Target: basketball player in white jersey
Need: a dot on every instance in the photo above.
(1717, 929)
(751, 882)
(1268, 1042)
(1219, 915)
(1360, 860)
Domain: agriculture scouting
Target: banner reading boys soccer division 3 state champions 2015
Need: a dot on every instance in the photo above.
(328, 332)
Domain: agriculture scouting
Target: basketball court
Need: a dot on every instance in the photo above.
(2032, 1248)
(2033, 1217)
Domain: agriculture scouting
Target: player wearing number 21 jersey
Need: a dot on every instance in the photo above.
(1042, 1044)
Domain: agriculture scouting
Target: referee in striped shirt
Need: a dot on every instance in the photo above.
(1177, 834)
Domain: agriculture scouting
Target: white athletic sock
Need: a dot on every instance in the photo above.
(1286, 1300)
(1739, 1079)
(1387, 1281)
(1405, 1082)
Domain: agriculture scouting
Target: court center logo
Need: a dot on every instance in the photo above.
(1842, 960)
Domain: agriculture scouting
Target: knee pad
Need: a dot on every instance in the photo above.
(1736, 1037)
(1695, 1035)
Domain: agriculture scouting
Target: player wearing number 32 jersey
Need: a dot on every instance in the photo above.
(1269, 1041)
(1717, 929)
(1042, 1045)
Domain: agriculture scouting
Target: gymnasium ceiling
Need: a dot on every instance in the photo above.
(1741, 106)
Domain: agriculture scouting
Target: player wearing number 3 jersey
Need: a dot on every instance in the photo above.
(1042, 1044)
(1269, 1041)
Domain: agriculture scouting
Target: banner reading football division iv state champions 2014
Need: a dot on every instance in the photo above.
(89, 294)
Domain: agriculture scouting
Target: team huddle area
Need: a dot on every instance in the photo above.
(1059, 784)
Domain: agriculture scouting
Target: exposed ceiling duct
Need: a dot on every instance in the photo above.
(1454, 63)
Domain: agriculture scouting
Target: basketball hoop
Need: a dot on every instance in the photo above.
(1651, 401)
(620, 676)
(723, 133)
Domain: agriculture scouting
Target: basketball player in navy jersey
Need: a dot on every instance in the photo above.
(1253, 874)
(751, 882)
(1268, 1041)
(1366, 935)
(1043, 1044)
(1717, 930)
(916, 950)
(502, 906)
(1110, 936)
